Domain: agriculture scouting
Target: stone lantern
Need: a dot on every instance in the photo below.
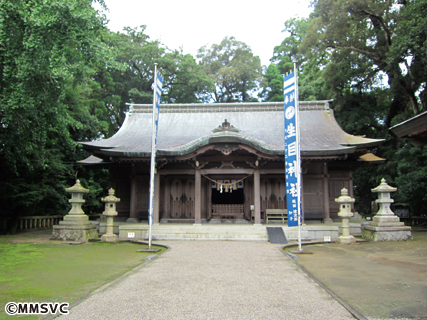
(385, 226)
(77, 200)
(76, 225)
(384, 201)
(345, 213)
(110, 212)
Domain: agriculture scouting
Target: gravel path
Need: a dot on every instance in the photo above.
(213, 280)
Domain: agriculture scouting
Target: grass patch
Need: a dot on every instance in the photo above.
(34, 270)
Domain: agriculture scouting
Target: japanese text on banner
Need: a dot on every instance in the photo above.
(291, 163)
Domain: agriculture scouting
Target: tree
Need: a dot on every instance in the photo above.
(272, 84)
(46, 52)
(183, 79)
(377, 38)
(233, 68)
(312, 84)
(375, 72)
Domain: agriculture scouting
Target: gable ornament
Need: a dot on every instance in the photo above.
(225, 126)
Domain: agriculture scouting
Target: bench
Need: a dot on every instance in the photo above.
(276, 215)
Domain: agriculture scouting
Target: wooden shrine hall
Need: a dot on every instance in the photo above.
(226, 160)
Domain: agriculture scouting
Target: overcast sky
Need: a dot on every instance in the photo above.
(191, 24)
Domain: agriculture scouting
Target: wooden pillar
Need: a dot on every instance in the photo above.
(156, 198)
(197, 197)
(327, 214)
(209, 213)
(166, 200)
(257, 195)
(350, 187)
(133, 215)
(302, 197)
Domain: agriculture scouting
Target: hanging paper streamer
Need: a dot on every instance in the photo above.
(226, 185)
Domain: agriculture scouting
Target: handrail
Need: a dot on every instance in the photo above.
(37, 222)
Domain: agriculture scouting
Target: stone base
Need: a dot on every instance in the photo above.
(74, 227)
(328, 220)
(109, 238)
(374, 233)
(346, 239)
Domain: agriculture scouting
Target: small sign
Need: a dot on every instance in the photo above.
(131, 234)
(327, 239)
(252, 207)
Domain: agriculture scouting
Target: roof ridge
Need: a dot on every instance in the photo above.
(228, 107)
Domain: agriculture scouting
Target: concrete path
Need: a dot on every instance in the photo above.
(213, 280)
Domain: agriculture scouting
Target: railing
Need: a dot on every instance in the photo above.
(36, 222)
(228, 210)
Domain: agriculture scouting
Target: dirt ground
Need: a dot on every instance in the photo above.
(381, 280)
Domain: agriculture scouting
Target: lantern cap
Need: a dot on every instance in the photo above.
(110, 197)
(344, 198)
(384, 187)
(77, 188)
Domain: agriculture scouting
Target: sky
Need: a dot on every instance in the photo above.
(191, 24)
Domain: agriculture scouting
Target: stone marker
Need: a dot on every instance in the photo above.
(110, 212)
(345, 213)
(76, 225)
(385, 226)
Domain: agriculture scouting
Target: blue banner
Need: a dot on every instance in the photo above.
(291, 149)
(156, 109)
(158, 93)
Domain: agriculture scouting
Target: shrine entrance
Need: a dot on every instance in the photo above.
(228, 199)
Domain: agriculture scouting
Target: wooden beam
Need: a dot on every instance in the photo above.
(226, 171)
(177, 171)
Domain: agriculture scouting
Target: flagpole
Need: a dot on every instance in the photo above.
(298, 152)
(153, 160)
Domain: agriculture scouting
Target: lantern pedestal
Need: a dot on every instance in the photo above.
(76, 225)
(385, 226)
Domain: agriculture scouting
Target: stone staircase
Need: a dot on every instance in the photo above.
(214, 231)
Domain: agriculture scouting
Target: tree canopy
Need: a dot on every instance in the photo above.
(47, 50)
(373, 42)
(233, 68)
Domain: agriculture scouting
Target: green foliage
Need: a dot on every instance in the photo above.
(370, 57)
(312, 82)
(233, 68)
(289, 50)
(47, 55)
(369, 39)
(412, 178)
(131, 79)
(184, 81)
(272, 83)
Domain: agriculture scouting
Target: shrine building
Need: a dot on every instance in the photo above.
(226, 161)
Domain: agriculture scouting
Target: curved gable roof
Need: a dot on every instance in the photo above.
(184, 128)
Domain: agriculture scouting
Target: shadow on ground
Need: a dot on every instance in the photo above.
(381, 280)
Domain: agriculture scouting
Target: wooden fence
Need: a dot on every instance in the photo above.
(37, 222)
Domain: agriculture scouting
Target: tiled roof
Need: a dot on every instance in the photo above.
(184, 128)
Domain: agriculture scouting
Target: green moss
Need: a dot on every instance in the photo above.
(51, 271)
